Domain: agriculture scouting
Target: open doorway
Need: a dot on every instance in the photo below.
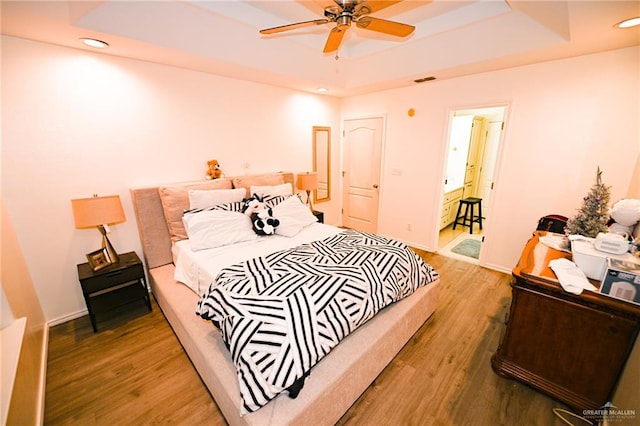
(473, 144)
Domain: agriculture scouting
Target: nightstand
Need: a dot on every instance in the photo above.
(319, 216)
(113, 286)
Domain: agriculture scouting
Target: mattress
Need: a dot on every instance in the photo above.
(197, 269)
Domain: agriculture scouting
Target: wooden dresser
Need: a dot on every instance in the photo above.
(571, 347)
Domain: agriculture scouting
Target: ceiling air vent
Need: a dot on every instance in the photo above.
(423, 79)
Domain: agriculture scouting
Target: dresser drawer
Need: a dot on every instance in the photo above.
(444, 222)
(110, 279)
(446, 210)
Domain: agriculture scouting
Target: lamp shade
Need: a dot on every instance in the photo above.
(307, 181)
(95, 211)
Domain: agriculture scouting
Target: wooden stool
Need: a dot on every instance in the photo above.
(469, 217)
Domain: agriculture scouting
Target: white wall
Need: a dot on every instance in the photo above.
(565, 118)
(77, 123)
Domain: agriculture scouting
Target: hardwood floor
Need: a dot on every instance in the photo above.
(134, 371)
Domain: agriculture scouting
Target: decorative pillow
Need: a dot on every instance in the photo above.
(175, 200)
(249, 181)
(236, 206)
(272, 190)
(200, 199)
(274, 200)
(215, 228)
(293, 216)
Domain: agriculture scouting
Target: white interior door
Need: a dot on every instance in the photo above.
(459, 139)
(362, 149)
(487, 171)
(473, 161)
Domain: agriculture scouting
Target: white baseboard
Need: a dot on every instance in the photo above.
(69, 317)
(43, 372)
(497, 268)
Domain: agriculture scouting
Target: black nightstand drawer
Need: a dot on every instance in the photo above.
(118, 296)
(109, 279)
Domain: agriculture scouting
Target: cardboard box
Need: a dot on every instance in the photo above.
(622, 280)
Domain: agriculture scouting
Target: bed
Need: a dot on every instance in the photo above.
(335, 382)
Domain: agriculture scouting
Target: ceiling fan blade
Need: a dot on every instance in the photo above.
(288, 27)
(384, 26)
(335, 38)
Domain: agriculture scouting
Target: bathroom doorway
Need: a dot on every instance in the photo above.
(474, 139)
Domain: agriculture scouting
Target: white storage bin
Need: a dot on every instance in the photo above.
(591, 261)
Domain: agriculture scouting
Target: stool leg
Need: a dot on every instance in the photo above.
(480, 214)
(465, 218)
(471, 219)
(455, 222)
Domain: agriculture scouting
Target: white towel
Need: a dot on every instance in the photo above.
(558, 242)
(571, 278)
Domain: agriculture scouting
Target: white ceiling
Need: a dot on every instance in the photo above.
(452, 38)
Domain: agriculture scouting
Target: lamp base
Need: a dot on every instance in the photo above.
(310, 200)
(106, 244)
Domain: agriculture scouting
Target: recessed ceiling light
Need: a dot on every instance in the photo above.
(92, 42)
(322, 89)
(628, 23)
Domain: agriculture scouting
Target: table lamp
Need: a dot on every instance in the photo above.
(99, 212)
(308, 181)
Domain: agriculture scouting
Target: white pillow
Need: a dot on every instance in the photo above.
(282, 189)
(201, 199)
(293, 216)
(215, 228)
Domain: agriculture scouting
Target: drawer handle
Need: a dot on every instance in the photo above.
(113, 274)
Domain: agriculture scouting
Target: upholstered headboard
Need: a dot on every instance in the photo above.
(150, 215)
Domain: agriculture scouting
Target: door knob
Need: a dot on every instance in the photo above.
(375, 186)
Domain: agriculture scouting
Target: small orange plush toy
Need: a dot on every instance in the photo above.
(214, 171)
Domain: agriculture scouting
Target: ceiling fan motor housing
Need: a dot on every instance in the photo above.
(346, 11)
(343, 21)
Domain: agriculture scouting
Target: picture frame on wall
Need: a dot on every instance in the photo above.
(99, 259)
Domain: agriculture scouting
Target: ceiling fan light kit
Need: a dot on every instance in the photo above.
(95, 43)
(423, 79)
(343, 14)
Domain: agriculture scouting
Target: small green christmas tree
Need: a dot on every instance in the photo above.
(594, 214)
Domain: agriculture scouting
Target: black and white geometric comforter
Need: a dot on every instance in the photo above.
(280, 314)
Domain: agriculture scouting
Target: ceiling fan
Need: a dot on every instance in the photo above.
(343, 14)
